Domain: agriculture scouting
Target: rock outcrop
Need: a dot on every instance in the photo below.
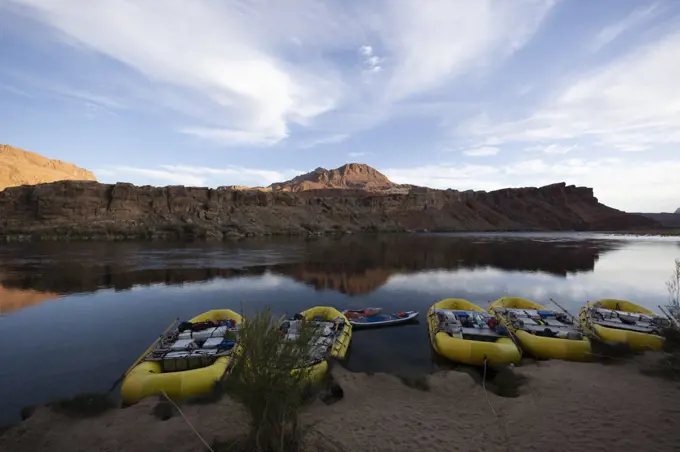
(353, 176)
(677, 211)
(19, 167)
(93, 211)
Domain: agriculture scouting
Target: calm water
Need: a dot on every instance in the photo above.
(73, 317)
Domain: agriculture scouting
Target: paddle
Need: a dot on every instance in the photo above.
(503, 320)
(146, 352)
(577, 321)
(674, 322)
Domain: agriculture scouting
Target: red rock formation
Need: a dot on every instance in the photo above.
(19, 167)
(90, 210)
(355, 176)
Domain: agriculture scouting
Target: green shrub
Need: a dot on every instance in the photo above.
(270, 380)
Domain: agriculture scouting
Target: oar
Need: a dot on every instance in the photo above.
(146, 352)
(670, 317)
(507, 325)
(578, 322)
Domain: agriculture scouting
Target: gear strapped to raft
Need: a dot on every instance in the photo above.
(542, 322)
(195, 345)
(326, 334)
(631, 321)
(470, 325)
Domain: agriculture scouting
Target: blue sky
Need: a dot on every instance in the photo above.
(448, 94)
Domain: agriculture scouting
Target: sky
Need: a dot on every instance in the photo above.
(481, 95)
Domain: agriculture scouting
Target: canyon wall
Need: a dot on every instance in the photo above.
(84, 210)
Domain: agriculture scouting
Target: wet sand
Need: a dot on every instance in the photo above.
(561, 406)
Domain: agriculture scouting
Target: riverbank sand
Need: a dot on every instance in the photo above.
(562, 406)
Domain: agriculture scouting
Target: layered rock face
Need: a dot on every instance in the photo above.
(94, 211)
(19, 167)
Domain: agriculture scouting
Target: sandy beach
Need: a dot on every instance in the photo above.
(561, 406)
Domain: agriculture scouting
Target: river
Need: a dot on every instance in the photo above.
(73, 316)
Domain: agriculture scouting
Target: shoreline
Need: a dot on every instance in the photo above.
(234, 237)
(566, 405)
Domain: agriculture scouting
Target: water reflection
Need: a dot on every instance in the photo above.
(115, 298)
(352, 266)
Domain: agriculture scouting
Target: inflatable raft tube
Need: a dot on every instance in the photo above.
(339, 347)
(636, 341)
(377, 320)
(466, 351)
(148, 379)
(540, 346)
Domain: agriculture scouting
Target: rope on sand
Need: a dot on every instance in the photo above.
(187, 421)
(484, 387)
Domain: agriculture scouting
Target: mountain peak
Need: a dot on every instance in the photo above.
(357, 176)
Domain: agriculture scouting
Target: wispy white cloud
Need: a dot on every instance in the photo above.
(226, 53)
(327, 139)
(635, 19)
(198, 176)
(359, 154)
(37, 86)
(485, 151)
(371, 61)
(434, 44)
(140, 176)
(16, 91)
(261, 67)
(553, 148)
(232, 137)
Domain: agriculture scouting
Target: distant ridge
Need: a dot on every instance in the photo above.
(668, 220)
(19, 167)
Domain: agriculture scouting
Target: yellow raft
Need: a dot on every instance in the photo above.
(495, 349)
(541, 347)
(637, 341)
(147, 378)
(340, 345)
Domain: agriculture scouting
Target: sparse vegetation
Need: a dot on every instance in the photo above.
(668, 367)
(271, 381)
(673, 286)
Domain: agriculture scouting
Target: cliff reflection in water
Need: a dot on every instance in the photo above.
(350, 265)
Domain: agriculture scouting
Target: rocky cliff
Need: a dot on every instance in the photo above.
(19, 167)
(94, 211)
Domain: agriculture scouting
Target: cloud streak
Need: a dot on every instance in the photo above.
(635, 98)
(635, 19)
(482, 152)
(197, 176)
